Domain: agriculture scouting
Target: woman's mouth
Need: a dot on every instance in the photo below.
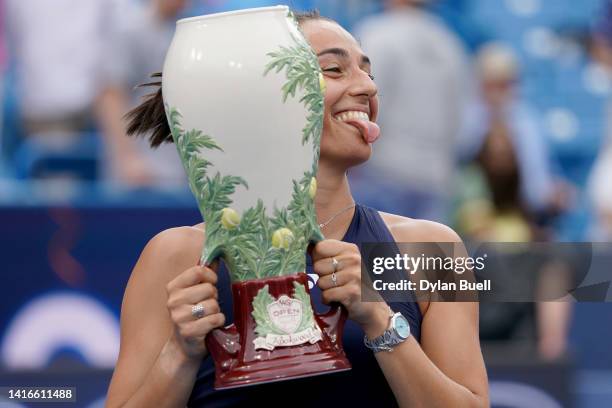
(351, 115)
(360, 120)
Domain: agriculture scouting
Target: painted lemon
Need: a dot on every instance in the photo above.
(322, 84)
(312, 189)
(229, 218)
(282, 238)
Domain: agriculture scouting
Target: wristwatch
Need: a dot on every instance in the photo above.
(398, 332)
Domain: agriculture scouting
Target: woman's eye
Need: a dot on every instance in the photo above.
(332, 69)
(371, 76)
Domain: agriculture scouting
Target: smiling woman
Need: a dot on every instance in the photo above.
(422, 354)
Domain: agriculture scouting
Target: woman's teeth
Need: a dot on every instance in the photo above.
(352, 115)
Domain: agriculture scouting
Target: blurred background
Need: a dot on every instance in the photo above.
(495, 116)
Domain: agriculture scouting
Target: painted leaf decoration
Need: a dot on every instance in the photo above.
(260, 313)
(308, 314)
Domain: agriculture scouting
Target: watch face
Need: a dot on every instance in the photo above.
(402, 327)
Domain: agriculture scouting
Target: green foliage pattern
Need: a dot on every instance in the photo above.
(303, 72)
(247, 248)
(307, 312)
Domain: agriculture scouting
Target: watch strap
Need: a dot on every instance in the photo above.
(387, 340)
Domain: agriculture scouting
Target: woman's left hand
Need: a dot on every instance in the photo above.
(340, 281)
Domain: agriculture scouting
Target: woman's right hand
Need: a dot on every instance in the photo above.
(194, 285)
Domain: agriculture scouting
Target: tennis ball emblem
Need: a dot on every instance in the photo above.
(322, 84)
(282, 238)
(312, 189)
(229, 218)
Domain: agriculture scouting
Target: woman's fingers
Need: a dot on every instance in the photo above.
(184, 313)
(199, 328)
(325, 266)
(345, 295)
(194, 286)
(191, 277)
(330, 247)
(192, 295)
(332, 281)
(338, 265)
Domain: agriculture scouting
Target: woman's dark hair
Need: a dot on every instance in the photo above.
(504, 184)
(149, 118)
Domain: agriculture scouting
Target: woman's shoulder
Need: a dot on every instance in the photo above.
(406, 229)
(173, 250)
(179, 240)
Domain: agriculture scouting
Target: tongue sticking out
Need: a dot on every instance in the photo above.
(369, 130)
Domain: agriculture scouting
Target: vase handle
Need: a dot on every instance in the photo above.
(333, 322)
(223, 344)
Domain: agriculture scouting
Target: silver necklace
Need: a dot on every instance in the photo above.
(324, 224)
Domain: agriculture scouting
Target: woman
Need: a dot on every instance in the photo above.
(163, 359)
(491, 208)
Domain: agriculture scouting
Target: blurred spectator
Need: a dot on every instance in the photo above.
(77, 62)
(493, 206)
(600, 189)
(491, 209)
(3, 53)
(602, 36)
(3, 67)
(136, 51)
(456, 14)
(495, 213)
(58, 47)
(421, 73)
(502, 194)
(511, 189)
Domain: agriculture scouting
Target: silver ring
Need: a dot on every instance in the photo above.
(197, 311)
(334, 278)
(335, 264)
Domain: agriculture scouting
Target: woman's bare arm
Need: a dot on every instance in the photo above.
(446, 368)
(154, 368)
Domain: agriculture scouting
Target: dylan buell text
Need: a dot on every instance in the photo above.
(428, 266)
(438, 286)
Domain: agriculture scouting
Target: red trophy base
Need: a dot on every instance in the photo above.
(238, 363)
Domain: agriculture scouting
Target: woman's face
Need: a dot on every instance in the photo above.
(349, 87)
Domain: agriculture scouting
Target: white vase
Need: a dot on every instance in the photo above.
(248, 81)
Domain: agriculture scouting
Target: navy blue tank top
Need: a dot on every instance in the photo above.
(363, 385)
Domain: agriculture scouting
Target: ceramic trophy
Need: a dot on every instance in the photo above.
(243, 94)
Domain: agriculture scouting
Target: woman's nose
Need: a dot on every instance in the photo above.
(364, 85)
